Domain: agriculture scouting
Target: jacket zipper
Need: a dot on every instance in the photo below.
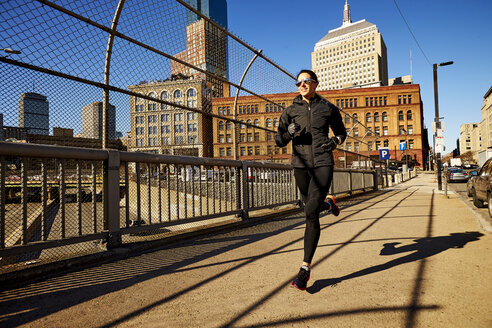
(310, 131)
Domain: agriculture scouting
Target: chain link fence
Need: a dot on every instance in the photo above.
(155, 77)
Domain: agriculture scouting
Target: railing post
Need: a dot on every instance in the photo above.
(112, 198)
(375, 180)
(245, 186)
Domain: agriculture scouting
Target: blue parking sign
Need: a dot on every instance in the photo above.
(384, 153)
(403, 145)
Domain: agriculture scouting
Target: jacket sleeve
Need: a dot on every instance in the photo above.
(282, 138)
(337, 125)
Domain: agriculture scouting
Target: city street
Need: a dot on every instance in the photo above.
(406, 256)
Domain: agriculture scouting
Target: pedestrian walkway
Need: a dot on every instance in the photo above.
(407, 256)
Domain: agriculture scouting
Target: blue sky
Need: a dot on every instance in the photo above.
(451, 30)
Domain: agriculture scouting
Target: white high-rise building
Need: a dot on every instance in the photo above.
(352, 55)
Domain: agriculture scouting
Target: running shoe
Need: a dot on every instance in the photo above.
(335, 210)
(302, 278)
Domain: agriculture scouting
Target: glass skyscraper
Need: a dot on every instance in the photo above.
(216, 10)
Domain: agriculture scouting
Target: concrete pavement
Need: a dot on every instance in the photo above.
(407, 256)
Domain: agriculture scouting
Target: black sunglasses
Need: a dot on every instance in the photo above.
(306, 80)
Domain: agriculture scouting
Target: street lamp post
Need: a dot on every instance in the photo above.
(437, 122)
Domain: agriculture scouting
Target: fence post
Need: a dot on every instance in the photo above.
(375, 179)
(112, 198)
(245, 186)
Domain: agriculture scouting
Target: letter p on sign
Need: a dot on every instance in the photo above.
(384, 153)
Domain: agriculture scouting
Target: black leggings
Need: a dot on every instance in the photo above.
(314, 184)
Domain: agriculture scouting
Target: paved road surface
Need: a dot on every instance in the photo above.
(403, 257)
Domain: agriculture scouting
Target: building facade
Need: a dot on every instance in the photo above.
(34, 113)
(165, 129)
(206, 45)
(466, 140)
(92, 121)
(374, 117)
(353, 54)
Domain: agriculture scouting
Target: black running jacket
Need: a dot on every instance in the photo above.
(315, 120)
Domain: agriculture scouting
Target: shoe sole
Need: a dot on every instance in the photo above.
(334, 204)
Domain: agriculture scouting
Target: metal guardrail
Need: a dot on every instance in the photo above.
(58, 201)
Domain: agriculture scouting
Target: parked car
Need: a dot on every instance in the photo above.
(456, 174)
(482, 186)
(469, 183)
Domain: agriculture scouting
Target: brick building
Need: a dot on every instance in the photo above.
(387, 116)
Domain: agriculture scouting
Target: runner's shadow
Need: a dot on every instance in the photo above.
(422, 248)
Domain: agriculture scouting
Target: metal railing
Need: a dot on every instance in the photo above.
(58, 202)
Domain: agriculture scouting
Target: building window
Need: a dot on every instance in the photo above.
(165, 129)
(250, 137)
(192, 140)
(347, 118)
(257, 136)
(164, 96)
(242, 137)
(368, 117)
(257, 122)
(354, 117)
(242, 126)
(248, 122)
(178, 128)
(410, 129)
(356, 146)
(178, 94)
(386, 143)
(355, 132)
(268, 123)
(165, 140)
(385, 117)
(221, 125)
(400, 115)
(275, 122)
(409, 115)
(221, 138)
(221, 152)
(401, 129)
(192, 116)
(250, 151)
(378, 145)
(399, 100)
(152, 118)
(228, 125)
(164, 117)
(385, 130)
(409, 99)
(376, 117)
(229, 151)
(348, 146)
(385, 100)
(376, 130)
(192, 127)
(410, 144)
(178, 116)
(257, 150)
(191, 92)
(242, 151)
(228, 138)
(152, 129)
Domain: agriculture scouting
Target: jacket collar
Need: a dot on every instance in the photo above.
(300, 101)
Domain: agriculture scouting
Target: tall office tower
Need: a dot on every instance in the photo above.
(34, 113)
(352, 55)
(206, 45)
(92, 121)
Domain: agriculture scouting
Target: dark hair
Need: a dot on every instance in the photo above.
(308, 71)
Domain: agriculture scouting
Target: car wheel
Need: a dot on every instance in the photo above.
(489, 200)
(477, 202)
